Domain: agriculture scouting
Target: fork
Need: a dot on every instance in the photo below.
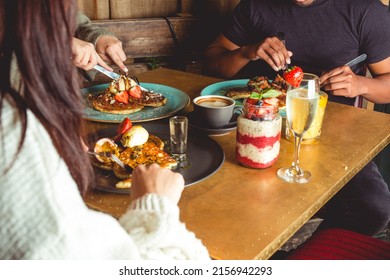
(113, 157)
(282, 37)
(137, 81)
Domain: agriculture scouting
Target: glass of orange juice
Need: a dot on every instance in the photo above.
(312, 135)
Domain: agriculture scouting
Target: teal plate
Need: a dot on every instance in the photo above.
(221, 88)
(176, 101)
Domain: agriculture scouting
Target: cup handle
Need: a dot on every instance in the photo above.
(237, 110)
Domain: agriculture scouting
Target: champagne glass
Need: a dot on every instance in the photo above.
(301, 107)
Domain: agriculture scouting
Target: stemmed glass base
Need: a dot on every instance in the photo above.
(294, 175)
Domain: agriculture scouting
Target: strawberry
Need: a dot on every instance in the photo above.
(293, 76)
(252, 101)
(122, 97)
(271, 101)
(124, 126)
(135, 92)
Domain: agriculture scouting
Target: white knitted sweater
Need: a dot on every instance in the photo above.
(42, 215)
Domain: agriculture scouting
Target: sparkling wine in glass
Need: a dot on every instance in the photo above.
(301, 106)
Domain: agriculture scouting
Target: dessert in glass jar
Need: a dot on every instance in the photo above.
(258, 134)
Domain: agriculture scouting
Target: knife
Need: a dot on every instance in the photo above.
(114, 75)
(360, 58)
(110, 74)
(356, 60)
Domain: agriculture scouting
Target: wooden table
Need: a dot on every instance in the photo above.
(243, 213)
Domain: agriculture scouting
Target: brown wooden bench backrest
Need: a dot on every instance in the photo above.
(151, 37)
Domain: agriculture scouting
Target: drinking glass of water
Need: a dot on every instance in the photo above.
(178, 128)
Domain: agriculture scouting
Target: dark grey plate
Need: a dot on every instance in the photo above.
(197, 124)
(204, 156)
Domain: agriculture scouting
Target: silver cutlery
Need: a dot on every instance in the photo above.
(115, 76)
(353, 62)
(110, 74)
(113, 157)
(134, 78)
(356, 60)
(282, 37)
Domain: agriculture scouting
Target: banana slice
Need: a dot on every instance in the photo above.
(105, 145)
(135, 136)
(124, 184)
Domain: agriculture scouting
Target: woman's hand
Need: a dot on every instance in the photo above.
(84, 55)
(155, 179)
(110, 49)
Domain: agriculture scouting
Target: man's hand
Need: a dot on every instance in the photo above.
(84, 55)
(341, 81)
(272, 50)
(110, 49)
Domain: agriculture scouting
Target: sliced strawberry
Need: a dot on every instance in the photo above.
(293, 76)
(122, 97)
(252, 101)
(250, 112)
(271, 101)
(124, 126)
(135, 91)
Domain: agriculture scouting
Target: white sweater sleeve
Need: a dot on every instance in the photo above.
(44, 217)
(153, 223)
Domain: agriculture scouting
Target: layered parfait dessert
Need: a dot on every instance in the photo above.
(258, 134)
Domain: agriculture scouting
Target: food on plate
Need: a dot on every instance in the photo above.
(106, 103)
(124, 184)
(147, 153)
(258, 83)
(105, 145)
(125, 96)
(261, 88)
(135, 136)
(151, 99)
(238, 92)
(156, 141)
(280, 84)
(133, 146)
(124, 126)
(293, 76)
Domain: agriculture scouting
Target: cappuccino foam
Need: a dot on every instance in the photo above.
(214, 102)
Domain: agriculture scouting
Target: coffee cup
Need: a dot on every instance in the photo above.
(215, 111)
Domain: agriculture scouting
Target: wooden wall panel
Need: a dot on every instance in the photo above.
(188, 6)
(100, 9)
(127, 9)
(95, 9)
(139, 35)
(220, 7)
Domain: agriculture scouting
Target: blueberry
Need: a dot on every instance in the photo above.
(260, 102)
